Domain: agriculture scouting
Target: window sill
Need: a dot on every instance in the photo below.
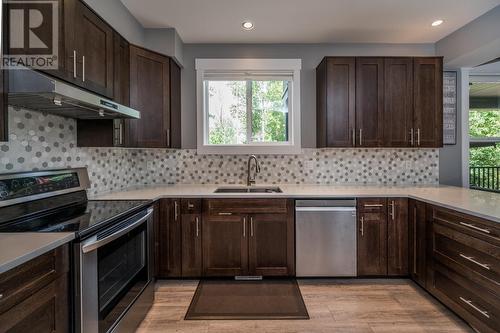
(249, 149)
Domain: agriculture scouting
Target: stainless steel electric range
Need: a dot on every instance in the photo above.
(112, 254)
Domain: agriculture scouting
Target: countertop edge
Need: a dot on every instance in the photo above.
(6, 266)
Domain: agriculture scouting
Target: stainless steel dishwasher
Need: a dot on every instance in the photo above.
(325, 238)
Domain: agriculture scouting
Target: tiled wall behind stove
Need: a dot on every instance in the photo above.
(41, 141)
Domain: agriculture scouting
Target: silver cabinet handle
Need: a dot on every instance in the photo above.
(373, 205)
(362, 226)
(1, 296)
(412, 137)
(121, 133)
(74, 64)
(225, 214)
(190, 205)
(197, 226)
(418, 137)
(469, 303)
(471, 259)
(244, 227)
(353, 137)
(176, 210)
(251, 227)
(393, 210)
(168, 138)
(83, 68)
(360, 136)
(486, 231)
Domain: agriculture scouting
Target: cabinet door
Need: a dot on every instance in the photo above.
(398, 102)
(417, 241)
(150, 93)
(225, 245)
(94, 52)
(170, 239)
(428, 101)
(372, 237)
(191, 245)
(121, 72)
(369, 101)
(175, 106)
(336, 102)
(44, 311)
(271, 245)
(397, 237)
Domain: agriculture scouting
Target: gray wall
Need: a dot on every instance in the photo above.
(311, 55)
(475, 43)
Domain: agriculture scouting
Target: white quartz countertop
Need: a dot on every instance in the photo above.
(18, 248)
(477, 203)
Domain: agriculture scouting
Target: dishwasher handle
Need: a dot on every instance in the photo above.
(325, 209)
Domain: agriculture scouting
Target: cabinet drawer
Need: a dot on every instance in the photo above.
(474, 226)
(473, 302)
(190, 206)
(246, 206)
(475, 255)
(372, 205)
(25, 280)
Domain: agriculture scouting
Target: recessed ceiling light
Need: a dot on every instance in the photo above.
(247, 25)
(437, 22)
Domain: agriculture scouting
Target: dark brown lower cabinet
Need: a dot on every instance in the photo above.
(246, 241)
(271, 245)
(35, 295)
(417, 241)
(372, 237)
(397, 237)
(169, 253)
(191, 245)
(464, 266)
(225, 245)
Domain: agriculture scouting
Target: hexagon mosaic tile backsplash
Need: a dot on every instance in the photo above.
(40, 141)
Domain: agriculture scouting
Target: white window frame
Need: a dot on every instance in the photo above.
(291, 67)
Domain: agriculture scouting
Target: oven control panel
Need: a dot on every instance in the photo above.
(26, 186)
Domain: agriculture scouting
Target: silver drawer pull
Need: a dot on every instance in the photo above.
(190, 205)
(471, 259)
(469, 303)
(373, 205)
(225, 214)
(472, 226)
(1, 296)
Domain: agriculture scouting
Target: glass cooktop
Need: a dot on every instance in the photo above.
(81, 218)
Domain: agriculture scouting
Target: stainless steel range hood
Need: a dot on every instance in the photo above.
(35, 91)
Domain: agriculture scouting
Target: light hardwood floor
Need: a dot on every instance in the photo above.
(370, 306)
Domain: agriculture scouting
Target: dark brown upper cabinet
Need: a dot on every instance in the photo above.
(155, 92)
(89, 50)
(369, 101)
(379, 102)
(398, 102)
(335, 84)
(428, 101)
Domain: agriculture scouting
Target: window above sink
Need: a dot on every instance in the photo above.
(248, 106)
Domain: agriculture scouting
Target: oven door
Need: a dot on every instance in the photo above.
(115, 267)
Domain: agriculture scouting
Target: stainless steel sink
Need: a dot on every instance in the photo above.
(256, 189)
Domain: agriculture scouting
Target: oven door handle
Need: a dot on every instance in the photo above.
(93, 244)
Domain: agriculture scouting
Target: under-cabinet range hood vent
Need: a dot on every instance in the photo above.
(35, 91)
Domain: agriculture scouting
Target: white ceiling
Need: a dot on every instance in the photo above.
(309, 21)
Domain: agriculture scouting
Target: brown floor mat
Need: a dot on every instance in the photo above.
(229, 299)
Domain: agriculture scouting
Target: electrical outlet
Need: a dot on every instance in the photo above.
(408, 165)
(150, 165)
(309, 164)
